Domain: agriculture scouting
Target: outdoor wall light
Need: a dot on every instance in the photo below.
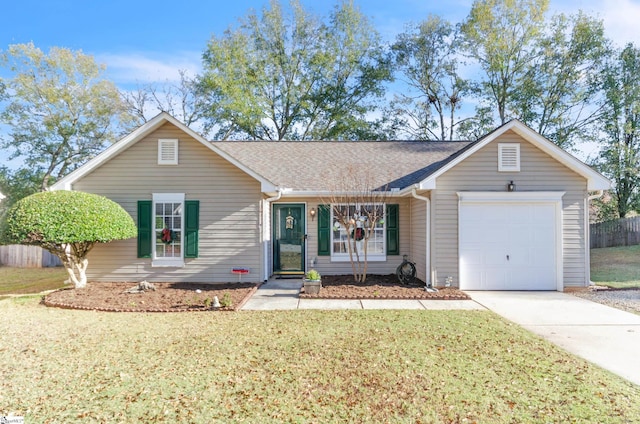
(312, 212)
(511, 186)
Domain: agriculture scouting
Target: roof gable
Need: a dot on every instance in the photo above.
(140, 133)
(595, 180)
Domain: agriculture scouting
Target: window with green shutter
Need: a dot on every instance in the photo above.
(383, 240)
(161, 235)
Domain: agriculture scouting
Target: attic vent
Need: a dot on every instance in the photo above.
(167, 152)
(509, 157)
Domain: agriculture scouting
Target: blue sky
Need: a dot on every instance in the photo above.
(144, 41)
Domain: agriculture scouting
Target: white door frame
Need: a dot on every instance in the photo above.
(496, 197)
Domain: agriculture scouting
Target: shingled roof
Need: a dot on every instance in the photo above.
(315, 165)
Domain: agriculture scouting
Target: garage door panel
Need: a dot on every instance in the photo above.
(519, 256)
(472, 256)
(495, 277)
(547, 258)
(518, 234)
(519, 249)
(493, 257)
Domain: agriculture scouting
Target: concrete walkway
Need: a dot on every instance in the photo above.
(283, 295)
(600, 334)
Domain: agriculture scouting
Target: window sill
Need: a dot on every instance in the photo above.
(370, 258)
(167, 263)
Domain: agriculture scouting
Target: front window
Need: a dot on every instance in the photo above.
(353, 223)
(168, 218)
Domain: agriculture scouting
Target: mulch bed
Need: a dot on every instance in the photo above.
(379, 287)
(183, 297)
(168, 297)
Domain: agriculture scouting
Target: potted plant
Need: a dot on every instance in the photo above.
(312, 282)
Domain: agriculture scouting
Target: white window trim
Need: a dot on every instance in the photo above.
(167, 262)
(167, 141)
(503, 168)
(371, 257)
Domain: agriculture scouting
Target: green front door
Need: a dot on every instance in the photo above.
(289, 236)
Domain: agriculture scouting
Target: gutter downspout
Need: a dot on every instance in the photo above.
(266, 226)
(427, 235)
(587, 257)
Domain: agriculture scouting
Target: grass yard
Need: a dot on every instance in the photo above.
(616, 266)
(30, 280)
(294, 366)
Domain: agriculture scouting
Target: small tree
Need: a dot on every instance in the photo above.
(358, 208)
(68, 224)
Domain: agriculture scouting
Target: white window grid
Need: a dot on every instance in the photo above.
(376, 246)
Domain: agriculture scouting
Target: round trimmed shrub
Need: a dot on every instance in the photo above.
(67, 224)
(67, 217)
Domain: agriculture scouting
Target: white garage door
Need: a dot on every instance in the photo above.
(508, 246)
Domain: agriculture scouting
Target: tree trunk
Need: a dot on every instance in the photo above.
(76, 270)
(76, 267)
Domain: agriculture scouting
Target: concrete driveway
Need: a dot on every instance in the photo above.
(600, 334)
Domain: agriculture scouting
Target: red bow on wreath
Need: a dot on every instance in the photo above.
(166, 235)
(358, 234)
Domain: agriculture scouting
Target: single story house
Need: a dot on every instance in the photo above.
(506, 212)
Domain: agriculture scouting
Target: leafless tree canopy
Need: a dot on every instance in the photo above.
(358, 208)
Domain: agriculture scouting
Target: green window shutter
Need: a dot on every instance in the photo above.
(191, 225)
(392, 219)
(145, 228)
(324, 230)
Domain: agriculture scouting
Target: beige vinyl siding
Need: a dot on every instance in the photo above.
(324, 264)
(229, 233)
(418, 237)
(538, 172)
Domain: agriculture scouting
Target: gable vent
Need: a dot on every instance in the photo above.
(167, 152)
(508, 157)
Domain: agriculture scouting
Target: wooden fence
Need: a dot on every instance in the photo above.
(27, 257)
(622, 232)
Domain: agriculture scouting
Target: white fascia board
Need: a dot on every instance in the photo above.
(513, 196)
(595, 180)
(141, 132)
(327, 193)
(407, 191)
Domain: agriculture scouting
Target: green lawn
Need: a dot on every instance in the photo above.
(294, 366)
(616, 266)
(30, 280)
